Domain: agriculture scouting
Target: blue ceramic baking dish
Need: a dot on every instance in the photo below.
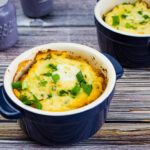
(61, 127)
(131, 50)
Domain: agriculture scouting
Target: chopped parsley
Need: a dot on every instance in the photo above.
(17, 85)
(115, 20)
(55, 78)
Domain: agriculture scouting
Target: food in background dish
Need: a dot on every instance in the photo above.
(58, 81)
(130, 17)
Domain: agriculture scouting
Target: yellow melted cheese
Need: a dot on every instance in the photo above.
(131, 18)
(34, 82)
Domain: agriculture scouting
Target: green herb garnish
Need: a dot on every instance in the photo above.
(26, 100)
(124, 16)
(129, 26)
(17, 85)
(124, 3)
(63, 93)
(43, 83)
(80, 77)
(140, 12)
(55, 77)
(142, 22)
(36, 102)
(53, 67)
(48, 74)
(75, 90)
(115, 20)
(87, 88)
(146, 17)
(50, 95)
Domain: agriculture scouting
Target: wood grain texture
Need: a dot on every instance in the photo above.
(128, 122)
(112, 131)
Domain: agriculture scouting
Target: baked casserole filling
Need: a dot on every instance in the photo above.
(130, 17)
(57, 81)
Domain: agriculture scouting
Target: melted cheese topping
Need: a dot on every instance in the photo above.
(132, 18)
(39, 83)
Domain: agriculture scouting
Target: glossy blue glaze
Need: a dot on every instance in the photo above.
(132, 52)
(117, 66)
(59, 129)
(6, 109)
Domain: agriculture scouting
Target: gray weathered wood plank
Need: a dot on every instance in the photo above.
(99, 146)
(126, 132)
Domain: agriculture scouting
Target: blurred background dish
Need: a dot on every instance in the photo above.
(8, 25)
(37, 8)
(131, 50)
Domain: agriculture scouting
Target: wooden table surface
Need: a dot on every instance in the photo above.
(128, 121)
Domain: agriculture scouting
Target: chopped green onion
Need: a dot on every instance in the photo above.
(124, 16)
(80, 77)
(26, 100)
(75, 90)
(146, 17)
(24, 85)
(63, 93)
(142, 22)
(55, 77)
(38, 105)
(115, 20)
(43, 83)
(35, 98)
(36, 102)
(48, 74)
(17, 85)
(53, 67)
(129, 26)
(50, 95)
(140, 12)
(87, 88)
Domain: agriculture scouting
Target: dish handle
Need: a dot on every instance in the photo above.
(118, 68)
(6, 109)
